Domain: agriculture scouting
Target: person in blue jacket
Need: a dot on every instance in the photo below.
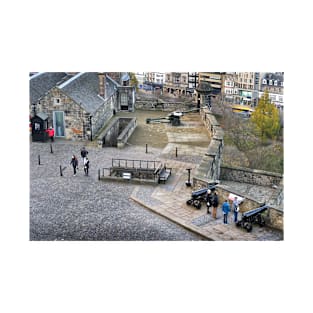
(226, 210)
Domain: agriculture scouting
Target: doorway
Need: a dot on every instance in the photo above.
(58, 123)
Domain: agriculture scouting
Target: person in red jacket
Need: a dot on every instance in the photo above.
(51, 134)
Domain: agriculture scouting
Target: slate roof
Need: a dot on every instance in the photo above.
(274, 76)
(83, 88)
(41, 83)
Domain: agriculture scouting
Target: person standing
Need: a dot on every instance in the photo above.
(225, 209)
(235, 208)
(74, 163)
(86, 166)
(215, 204)
(209, 200)
(83, 153)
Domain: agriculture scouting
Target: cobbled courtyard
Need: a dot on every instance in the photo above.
(84, 208)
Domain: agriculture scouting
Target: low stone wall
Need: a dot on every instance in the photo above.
(117, 132)
(209, 167)
(127, 132)
(250, 176)
(160, 105)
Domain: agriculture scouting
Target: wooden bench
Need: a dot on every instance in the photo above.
(165, 173)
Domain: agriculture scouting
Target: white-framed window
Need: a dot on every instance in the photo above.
(270, 82)
(275, 83)
(264, 82)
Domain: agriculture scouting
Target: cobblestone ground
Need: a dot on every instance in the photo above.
(83, 208)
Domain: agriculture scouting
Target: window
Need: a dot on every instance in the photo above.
(57, 101)
(270, 82)
(264, 82)
(275, 83)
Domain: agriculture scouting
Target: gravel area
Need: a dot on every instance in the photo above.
(83, 208)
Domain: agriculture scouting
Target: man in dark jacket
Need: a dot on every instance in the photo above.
(74, 163)
(215, 204)
(83, 152)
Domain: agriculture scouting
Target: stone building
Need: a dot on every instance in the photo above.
(176, 83)
(274, 84)
(79, 106)
(215, 79)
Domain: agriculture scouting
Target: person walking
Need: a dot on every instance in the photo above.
(215, 204)
(50, 133)
(209, 200)
(74, 163)
(235, 208)
(225, 209)
(83, 153)
(86, 166)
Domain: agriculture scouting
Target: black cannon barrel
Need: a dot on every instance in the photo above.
(202, 191)
(255, 211)
(199, 192)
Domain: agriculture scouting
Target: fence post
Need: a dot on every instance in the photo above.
(61, 174)
(146, 148)
(38, 159)
(51, 148)
(176, 152)
(99, 174)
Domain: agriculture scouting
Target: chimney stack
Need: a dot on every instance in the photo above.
(102, 81)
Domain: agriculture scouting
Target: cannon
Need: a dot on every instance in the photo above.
(253, 216)
(173, 117)
(199, 196)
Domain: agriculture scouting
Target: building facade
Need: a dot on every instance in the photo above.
(79, 107)
(274, 84)
(176, 83)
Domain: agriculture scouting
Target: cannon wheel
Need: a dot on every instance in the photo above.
(239, 224)
(260, 220)
(197, 204)
(247, 226)
(189, 202)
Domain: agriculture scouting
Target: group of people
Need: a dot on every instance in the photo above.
(74, 162)
(213, 201)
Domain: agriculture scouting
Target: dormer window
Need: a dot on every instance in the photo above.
(270, 82)
(275, 83)
(264, 82)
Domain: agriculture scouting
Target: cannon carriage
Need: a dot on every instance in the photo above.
(199, 196)
(253, 216)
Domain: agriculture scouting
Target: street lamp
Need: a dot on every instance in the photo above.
(90, 124)
(188, 182)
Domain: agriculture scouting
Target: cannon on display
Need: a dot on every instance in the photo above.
(199, 196)
(253, 216)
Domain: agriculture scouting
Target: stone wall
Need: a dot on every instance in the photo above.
(160, 105)
(129, 125)
(209, 168)
(76, 118)
(210, 171)
(76, 121)
(250, 176)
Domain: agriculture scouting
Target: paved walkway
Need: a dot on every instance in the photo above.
(169, 200)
